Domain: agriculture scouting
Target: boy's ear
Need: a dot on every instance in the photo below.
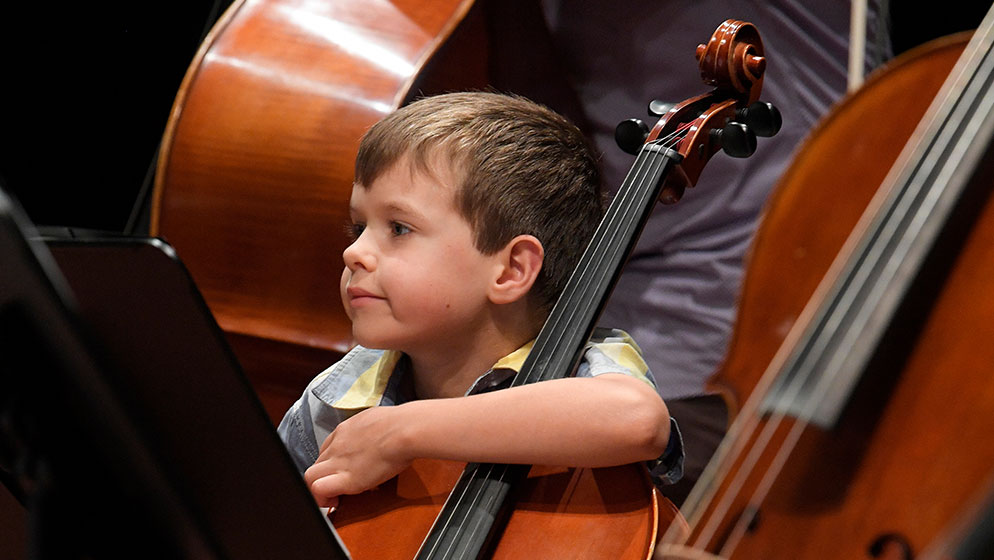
(519, 264)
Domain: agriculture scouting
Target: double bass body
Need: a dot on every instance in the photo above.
(911, 447)
(257, 160)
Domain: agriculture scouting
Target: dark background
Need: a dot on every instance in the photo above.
(87, 89)
(86, 92)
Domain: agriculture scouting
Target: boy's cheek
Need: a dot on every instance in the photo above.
(342, 287)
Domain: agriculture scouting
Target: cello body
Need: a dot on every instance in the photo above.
(252, 191)
(912, 445)
(562, 512)
(257, 161)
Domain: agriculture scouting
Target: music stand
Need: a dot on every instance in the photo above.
(126, 425)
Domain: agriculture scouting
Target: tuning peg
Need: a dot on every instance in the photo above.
(659, 108)
(630, 135)
(736, 139)
(763, 118)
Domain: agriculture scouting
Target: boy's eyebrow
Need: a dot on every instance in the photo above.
(404, 209)
(394, 207)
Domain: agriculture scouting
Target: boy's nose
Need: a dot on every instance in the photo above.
(358, 255)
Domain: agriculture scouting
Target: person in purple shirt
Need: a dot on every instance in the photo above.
(677, 295)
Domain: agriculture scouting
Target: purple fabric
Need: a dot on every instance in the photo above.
(677, 295)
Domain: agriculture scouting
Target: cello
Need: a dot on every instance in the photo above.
(689, 133)
(255, 170)
(866, 427)
(596, 513)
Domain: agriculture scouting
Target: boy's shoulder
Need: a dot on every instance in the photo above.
(614, 351)
(364, 377)
(607, 335)
(359, 380)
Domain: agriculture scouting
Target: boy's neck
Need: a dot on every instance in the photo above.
(453, 374)
(452, 371)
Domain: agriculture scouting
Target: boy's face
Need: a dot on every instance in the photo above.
(413, 280)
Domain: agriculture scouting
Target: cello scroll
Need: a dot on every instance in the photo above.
(729, 118)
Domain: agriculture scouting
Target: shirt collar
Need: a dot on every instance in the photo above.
(368, 388)
(500, 374)
(373, 386)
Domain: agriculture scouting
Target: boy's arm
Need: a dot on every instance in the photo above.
(610, 419)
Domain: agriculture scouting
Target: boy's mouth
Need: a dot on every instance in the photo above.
(358, 296)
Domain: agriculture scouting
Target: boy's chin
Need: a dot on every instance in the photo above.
(368, 339)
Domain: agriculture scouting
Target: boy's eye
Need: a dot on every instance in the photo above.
(399, 229)
(354, 230)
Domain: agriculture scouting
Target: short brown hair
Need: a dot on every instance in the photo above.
(523, 169)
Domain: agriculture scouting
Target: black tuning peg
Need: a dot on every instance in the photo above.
(763, 118)
(736, 139)
(659, 108)
(630, 135)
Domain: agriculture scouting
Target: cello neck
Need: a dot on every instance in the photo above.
(479, 501)
(560, 343)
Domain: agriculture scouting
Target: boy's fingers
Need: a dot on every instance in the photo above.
(314, 472)
(327, 489)
(326, 443)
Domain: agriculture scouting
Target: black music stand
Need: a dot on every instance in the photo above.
(126, 426)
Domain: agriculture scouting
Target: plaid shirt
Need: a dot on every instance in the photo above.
(365, 378)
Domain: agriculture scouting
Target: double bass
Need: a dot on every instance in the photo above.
(862, 354)
(256, 162)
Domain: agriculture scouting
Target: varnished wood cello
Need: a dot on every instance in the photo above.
(596, 513)
(868, 429)
(256, 165)
(575, 513)
(688, 134)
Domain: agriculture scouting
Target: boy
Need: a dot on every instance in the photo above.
(469, 213)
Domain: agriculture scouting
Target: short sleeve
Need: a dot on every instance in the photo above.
(297, 432)
(668, 468)
(614, 351)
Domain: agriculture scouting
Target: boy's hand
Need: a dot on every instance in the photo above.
(361, 453)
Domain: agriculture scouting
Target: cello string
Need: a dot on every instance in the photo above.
(751, 420)
(740, 433)
(752, 416)
(807, 413)
(476, 498)
(733, 445)
(607, 245)
(623, 209)
(620, 209)
(570, 293)
(449, 519)
(748, 416)
(585, 298)
(715, 470)
(729, 449)
(671, 140)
